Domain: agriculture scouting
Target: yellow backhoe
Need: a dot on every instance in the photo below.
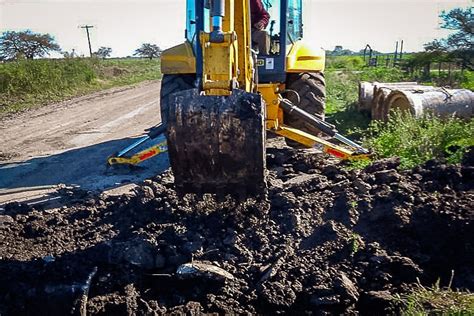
(220, 95)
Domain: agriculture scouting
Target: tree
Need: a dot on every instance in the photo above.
(27, 44)
(148, 50)
(103, 52)
(459, 44)
(340, 51)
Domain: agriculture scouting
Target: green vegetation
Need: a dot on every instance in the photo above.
(342, 96)
(26, 44)
(416, 141)
(26, 84)
(355, 241)
(413, 140)
(345, 62)
(435, 300)
(456, 79)
(467, 81)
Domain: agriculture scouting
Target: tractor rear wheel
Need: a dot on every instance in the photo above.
(311, 88)
(171, 84)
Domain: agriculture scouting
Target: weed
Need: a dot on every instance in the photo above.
(435, 300)
(417, 140)
(355, 243)
(382, 74)
(467, 80)
(353, 204)
(358, 164)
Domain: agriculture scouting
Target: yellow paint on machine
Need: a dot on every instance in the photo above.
(219, 63)
(179, 59)
(301, 58)
(304, 58)
(139, 157)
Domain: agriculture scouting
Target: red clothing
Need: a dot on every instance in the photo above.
(258, 12)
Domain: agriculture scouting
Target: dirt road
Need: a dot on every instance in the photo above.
(68, 143)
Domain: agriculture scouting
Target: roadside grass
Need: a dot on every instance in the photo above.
(456, 79)
(31, 83)
(434, 300)
(417, 140)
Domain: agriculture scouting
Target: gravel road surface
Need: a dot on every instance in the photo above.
(67, 144)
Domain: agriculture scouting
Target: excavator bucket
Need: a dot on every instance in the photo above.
(216, 144)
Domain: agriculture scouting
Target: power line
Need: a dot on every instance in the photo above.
(87, 27)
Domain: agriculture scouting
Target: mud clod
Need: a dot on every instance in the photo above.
(325, 241)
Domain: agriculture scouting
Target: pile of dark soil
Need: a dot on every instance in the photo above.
(326, 241)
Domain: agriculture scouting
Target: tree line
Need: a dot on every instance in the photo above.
(29, 45)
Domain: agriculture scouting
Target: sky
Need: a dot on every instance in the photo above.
(124, 25)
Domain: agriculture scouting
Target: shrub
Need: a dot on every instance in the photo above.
(416, 141)
(382, 74)
(39, 76)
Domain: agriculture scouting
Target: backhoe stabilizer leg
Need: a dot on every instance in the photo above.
(312, 141)
(323, 126)
(120, 158)
(139, 157)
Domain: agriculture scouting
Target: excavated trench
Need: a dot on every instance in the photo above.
(326, 241)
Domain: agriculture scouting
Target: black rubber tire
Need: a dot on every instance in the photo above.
(171, 84)
(311, 87)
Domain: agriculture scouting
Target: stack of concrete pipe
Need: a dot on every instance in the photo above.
(381, 98)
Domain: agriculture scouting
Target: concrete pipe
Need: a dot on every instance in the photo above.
(367, 92)
(439, 101)
(381, 91)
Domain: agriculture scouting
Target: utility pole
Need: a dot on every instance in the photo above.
(87, 27)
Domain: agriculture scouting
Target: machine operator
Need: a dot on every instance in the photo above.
(260, 18)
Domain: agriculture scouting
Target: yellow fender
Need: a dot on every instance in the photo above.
(178, 60)
(302, 57)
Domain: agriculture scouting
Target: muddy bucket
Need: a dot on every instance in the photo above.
(216, 144)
